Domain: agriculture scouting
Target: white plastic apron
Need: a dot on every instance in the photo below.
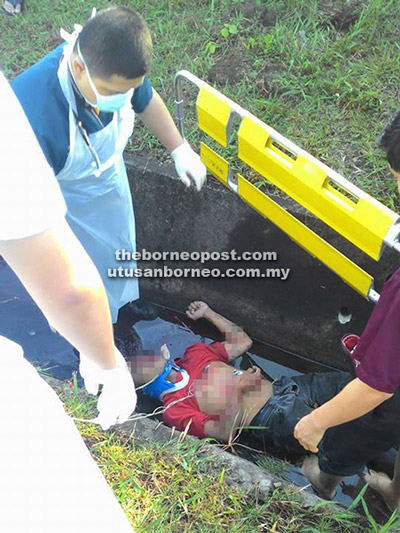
(100, 210)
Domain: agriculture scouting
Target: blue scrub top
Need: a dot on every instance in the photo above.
(44, 103)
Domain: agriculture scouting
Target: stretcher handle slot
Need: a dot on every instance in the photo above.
(338, 189)
(282, 148)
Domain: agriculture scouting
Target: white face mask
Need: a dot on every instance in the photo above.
(111, 103)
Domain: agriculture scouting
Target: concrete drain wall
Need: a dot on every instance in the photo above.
(303, 314)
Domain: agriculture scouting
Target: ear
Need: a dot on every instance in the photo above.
(78, 68)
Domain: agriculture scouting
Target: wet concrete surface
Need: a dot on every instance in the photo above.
(22, 321)
(300, 314)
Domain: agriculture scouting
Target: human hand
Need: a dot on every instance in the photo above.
(118, 398)
(197, 310)
(189, 165)
(308, 434)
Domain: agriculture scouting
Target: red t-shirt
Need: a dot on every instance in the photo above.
(377, 355)
(179, 414)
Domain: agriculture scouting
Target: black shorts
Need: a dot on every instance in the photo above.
(273, 426)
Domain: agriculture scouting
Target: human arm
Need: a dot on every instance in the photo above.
(355, 400)
(63, 281)
(38, 244)
(377, 370)
(236, 340)
(66, 286)
(158, 120)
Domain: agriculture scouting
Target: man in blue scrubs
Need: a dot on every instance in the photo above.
(81, 100)
(48, 479)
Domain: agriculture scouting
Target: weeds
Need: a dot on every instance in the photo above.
(173, 488)
(273, 465)
(324, 74)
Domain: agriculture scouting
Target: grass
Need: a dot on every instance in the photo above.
(172, 488)
(169, 488)
(273, 465)
(323, 73)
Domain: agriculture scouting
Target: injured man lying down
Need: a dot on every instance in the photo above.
(206, 396)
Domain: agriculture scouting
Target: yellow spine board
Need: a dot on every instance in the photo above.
(216, 164)
(358, 217)
(351, 273)
(213, 113)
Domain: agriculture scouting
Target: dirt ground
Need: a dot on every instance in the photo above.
(233, 65)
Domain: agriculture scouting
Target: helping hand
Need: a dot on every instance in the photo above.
(308, 434)
(197, 310)
(118, 398)
(188, 163)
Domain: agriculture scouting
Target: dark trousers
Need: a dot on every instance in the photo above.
(292, 398)
(345, 449)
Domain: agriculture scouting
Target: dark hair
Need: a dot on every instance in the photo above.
(389, 140)
(116, 41)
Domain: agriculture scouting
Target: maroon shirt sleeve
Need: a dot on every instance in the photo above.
(377, 355)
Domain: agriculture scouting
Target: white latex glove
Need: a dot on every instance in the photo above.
(118, 398)
(188, 164)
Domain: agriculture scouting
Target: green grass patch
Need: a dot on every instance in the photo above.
(273, 465)
(170, 488)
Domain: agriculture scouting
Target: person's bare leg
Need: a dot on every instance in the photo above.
(324, 484)
(388, 488)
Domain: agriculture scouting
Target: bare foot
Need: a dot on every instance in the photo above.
(323, 484)
(384, 486)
